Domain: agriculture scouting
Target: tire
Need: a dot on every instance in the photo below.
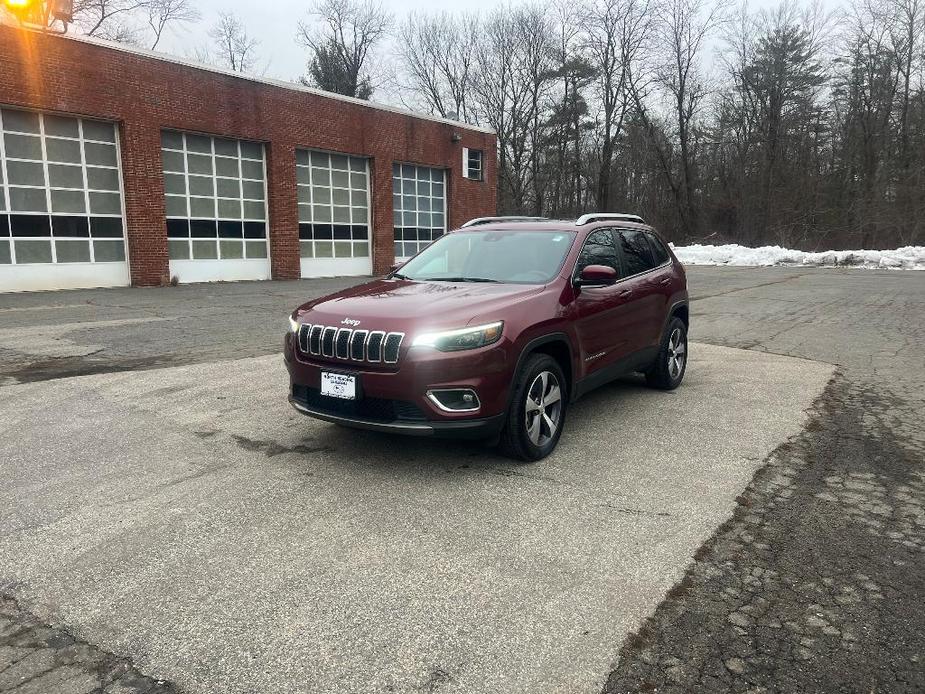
(668, 370)
(527, 434)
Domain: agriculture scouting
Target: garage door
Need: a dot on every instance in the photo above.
(334, 222)
(61, 221)
(215, 198)
(419, 207)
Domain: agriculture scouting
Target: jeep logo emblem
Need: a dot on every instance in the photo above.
(350, 321)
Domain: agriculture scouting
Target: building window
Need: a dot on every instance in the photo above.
(419, 207)
(215, 195)
(60, 190)
(333, 191)
(472, 164)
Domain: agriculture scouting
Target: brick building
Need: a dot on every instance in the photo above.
(120, 166)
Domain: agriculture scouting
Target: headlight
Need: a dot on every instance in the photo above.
(464, 338)
(293, 325)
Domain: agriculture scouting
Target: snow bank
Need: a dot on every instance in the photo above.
(905, 258)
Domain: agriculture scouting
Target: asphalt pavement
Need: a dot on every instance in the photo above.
(171, 519)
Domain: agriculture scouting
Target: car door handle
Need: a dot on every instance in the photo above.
(626, 292)
(665, 281)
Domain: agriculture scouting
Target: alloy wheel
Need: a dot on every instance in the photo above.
(677, 353)
(543, 408)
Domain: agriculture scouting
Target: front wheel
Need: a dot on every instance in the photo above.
(537, 411)
(668, 370)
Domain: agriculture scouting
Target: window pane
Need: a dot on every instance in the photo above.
(199, 163)
(599, 249)
(108, 227)
(230, 230)
(342, 249)
(72, 251)
(256, 249)
(70, 226)
(321, 177)
(61, 176)
(358, 215)
(252, 169)
(228, 187)
(109, 251)
(254, 210)
(226, 147)
(304, 194)
(27, 199)
(202, 207)
(636, 252)
(321, 213)
(104, 155)
(178, 250)
(255, 230)
(229, 209)
(26, 147)
(175, 206)
(173, 161)
(202, 228)
(254, 190)
(341, 215)
(105, 203)
(59, 125)
(340, 179)
(226, 167)
(33, 251)
(5, 254)
(174, 183)
(305, 213)
(324, 249)
(205, 250)
(306, 249)
(171, 139)
(320, 159)
(68, 201)
(177, 228)
(232, 249)
(97, 130)
(361, 250)
(103, 179)
(201, 185)
(198, 143)
(67, 151)
(29, 225)
(20, 121)
(251, 150)
(26, 173)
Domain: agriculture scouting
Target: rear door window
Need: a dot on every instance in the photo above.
(637, 255)
(658, 249)
(599, 249)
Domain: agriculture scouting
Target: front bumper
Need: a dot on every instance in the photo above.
(462, 429)
(393, 398)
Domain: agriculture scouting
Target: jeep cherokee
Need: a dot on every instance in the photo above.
(493, 329)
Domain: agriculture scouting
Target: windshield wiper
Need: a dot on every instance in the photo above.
(397, 275)
(462, 279)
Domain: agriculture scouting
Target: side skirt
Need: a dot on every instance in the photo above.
(638, 361)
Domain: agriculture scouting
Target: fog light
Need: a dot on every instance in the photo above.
(455, 399)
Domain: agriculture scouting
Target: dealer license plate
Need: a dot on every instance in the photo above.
(339, 385)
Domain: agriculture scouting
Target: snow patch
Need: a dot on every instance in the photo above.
(905, 258)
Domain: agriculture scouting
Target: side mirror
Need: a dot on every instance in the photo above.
(596, 276)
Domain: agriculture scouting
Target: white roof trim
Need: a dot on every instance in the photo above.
(292, 86)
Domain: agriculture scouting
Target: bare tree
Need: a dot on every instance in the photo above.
(341, 38)
(162, 13)
(438, 54)
(232, 47)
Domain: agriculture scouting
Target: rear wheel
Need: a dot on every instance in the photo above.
(668, 370)
(537, 412)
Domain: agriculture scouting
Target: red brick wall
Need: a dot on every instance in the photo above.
(145, 94)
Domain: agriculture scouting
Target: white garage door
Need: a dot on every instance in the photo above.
(419, 207)
(215, 196)
(334, 224)
(61, 221)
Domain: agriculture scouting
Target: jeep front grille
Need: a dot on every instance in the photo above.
(346, 344)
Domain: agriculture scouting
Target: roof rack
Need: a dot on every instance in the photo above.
(488, 220)
(595, 216)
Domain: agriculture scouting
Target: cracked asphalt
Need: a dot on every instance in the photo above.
(776, 553)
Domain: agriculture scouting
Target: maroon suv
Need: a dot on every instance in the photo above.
(493, 329)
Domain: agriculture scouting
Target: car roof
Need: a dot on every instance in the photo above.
(559, 225)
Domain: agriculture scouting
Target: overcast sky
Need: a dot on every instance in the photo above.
(274, 24)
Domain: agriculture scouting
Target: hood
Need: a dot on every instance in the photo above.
(400, 305)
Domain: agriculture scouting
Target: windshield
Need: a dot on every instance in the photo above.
(517, 257)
